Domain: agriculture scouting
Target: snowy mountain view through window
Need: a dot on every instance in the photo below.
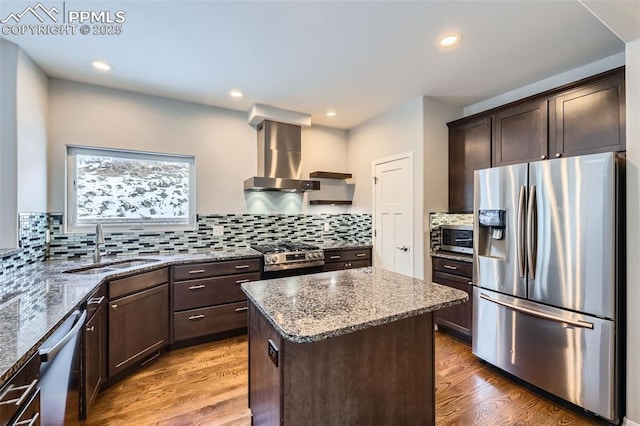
(129, 190)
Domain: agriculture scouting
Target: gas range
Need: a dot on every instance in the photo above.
(288, 255)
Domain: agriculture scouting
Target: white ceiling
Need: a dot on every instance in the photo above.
(357, 58)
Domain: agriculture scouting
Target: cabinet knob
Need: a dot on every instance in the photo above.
(90, 329)
(543, 157)
(558, 155)
(114, 306)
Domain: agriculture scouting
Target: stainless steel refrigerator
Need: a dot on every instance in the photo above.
(549, 276)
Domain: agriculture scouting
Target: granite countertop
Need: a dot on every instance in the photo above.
(453, 256)
(38, 298)
(340, 245)
(314, 307)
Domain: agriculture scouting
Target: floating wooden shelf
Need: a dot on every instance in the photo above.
(330, 202)
(330, 175)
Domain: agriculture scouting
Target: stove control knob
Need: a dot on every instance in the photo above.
(274, 259)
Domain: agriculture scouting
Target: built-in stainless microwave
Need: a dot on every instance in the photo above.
(458, 238)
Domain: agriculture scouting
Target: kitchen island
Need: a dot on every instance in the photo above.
(344, 347)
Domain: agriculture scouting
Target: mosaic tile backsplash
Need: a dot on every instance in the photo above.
(33, 247)
(240, 230)
(438, 219)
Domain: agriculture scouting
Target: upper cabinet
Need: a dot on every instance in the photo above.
(469, 150)
(589, 119)
(520, 134)
(584, 117)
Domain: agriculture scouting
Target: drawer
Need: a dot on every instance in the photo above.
(210, 291)
(455, 267)
(331, 256)
(137, 282)
(212, 269)
(205, 321)
(95, 301)
(14, 395)
(339, 266)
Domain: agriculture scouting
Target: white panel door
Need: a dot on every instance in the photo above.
(393, 215)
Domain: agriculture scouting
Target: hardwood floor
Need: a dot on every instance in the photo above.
(207, 385)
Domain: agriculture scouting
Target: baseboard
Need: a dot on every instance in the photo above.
(628, 422)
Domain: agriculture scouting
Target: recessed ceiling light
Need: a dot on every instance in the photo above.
(101, 65)
(331, 113)
(450, 39)
(236, 93)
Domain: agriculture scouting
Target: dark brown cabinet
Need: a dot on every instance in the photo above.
(589, 119)
(207, 298)
(94, 359)
(458, 275)
(520, 134)
(469, 150)
(20, 396)
(337, 260)
(139, 321)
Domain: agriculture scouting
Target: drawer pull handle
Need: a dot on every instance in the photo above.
(347, 265)
(30, 422)
(246, 280)
(245, 308)
(334, 257)
(196, 317)
(95, 300)
(90, 329)
(18, 401)
(450, 267)
(242, 266)
(197, 271)
(196, 287)
(361, 254)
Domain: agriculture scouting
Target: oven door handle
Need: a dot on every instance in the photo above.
(48, 354)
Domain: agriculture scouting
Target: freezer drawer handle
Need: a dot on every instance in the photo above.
(575, 323)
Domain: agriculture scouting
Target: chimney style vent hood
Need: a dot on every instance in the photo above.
(279, 160)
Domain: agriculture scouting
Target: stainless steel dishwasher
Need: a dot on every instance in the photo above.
(60, 373)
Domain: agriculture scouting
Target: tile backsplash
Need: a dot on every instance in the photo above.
(32, 241)
(240, 230)
(438, 219)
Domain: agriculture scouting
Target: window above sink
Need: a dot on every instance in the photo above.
(129, 190)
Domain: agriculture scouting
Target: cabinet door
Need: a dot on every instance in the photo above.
(590, 120)
(469, 150)
(95, 347)
(457, 317)
(520, 134)
(138, 326)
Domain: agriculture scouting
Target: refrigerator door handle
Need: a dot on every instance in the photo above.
(532, 231)
(521, 231)
(534, 313)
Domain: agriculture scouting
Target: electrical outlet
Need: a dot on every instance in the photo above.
(327, 226)
(47, 236)
(218, 230)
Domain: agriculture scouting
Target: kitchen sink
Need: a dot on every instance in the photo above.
(111, 267)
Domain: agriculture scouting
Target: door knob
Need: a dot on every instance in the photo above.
(403, 248)
(558, 155)
(543, 157)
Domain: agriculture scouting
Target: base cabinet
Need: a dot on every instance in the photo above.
(457, 275)
(138, 324)
(337, 260)
(94, 359)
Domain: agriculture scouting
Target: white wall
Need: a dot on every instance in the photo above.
(32, 117)
(552, 82)
(8, 145)
(633, 229)
(396, 131)
(223, 143)
(436, 164)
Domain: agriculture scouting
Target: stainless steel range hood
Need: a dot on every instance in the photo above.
(279, 160)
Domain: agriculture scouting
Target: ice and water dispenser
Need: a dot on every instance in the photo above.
(491, 233)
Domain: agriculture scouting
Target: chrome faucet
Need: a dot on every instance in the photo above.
(97, 254)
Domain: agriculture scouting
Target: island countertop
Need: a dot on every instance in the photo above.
(314, 307)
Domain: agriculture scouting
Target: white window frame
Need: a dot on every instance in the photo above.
(71, 212)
